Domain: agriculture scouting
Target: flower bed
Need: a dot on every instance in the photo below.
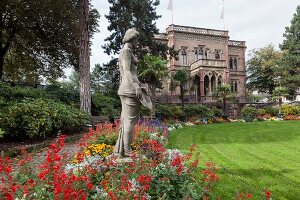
(153, 172)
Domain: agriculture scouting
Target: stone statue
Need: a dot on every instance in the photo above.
(131, 93)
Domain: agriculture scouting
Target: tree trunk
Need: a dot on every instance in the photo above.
(182, 97)
(224, 107)
(152, 89)
(1, 66)
(84, 58)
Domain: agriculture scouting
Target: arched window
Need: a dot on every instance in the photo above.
(217, 55)
(234, 86)
(231, 63)
(183, 57)
(235, 64)
(196, 55)
(199, 53)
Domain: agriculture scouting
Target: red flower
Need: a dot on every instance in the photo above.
(249, 196)
(9, 196)
(90, 186)
(268, 194)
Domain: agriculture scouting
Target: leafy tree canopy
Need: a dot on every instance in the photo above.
(39, 38)
(289, 69)
(125, 14)
(261, 68)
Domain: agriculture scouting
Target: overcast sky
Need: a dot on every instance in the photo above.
(258, 22)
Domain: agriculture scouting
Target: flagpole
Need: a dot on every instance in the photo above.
(222, 14)
(170, 7)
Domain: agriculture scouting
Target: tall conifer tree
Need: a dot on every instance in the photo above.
(125, 14)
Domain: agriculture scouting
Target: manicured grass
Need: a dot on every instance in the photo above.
(250, 156)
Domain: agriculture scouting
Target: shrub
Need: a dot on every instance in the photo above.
(169, 111)
(261, 112)
(195, 110)
(272, 111)
(63, 92)
(288, 110)
(249, 113)
(38, 117)
(214, 112)
(104, 105)
(17, 93)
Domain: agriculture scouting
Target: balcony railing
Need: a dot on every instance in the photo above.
(208, 63)
(237, 43)
(205, 31)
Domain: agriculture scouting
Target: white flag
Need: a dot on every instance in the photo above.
(170, 6)
(222, 9)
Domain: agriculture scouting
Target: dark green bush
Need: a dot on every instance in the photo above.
(17, 93)
(249, 113)
(214, 112)
(271, 111)
(39, 117)
(169, 111)
(64, 93)
(196, 110)
(104, 105)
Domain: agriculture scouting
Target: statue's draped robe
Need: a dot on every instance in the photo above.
(130, 102)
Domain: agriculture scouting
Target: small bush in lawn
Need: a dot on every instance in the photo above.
(249, 113)
(195, 110)
(38, 117)
(289, 110)
(272, 111)
(261, 112)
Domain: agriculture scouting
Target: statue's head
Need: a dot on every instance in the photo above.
(130, 35)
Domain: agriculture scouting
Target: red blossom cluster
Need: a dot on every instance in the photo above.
(242, 196)
(51, 181)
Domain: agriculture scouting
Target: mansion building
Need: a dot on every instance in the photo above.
(211, 58)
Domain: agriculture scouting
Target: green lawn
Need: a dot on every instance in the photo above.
(250, 156)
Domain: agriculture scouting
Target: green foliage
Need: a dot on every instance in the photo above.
(272, 111)
(152, 70)
(168, 111)
(17, 93)
(104, 105)
(214, 112)
(261, 68)
(261, 111)
(289, 70)
(223, 93)
(140, 14)
(39, 118)
(180, 79)
(1, 133)
(64, 92)
(290, 110)
(196, 110)
(37, 42)
(280, 92)
(249, 113)
(251, 98)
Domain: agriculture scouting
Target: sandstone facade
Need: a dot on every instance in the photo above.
(211, 58)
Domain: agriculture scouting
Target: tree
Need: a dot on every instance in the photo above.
(124, 14)
(261, 68)
(279, 93)
(39, 38)
(223, 94)
(155, 70)
(180, 79)
(84, 58)
(289, 69)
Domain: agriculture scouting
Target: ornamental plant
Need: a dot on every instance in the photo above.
(153, 172)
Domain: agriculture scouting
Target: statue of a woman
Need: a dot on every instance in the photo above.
(130, 92)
